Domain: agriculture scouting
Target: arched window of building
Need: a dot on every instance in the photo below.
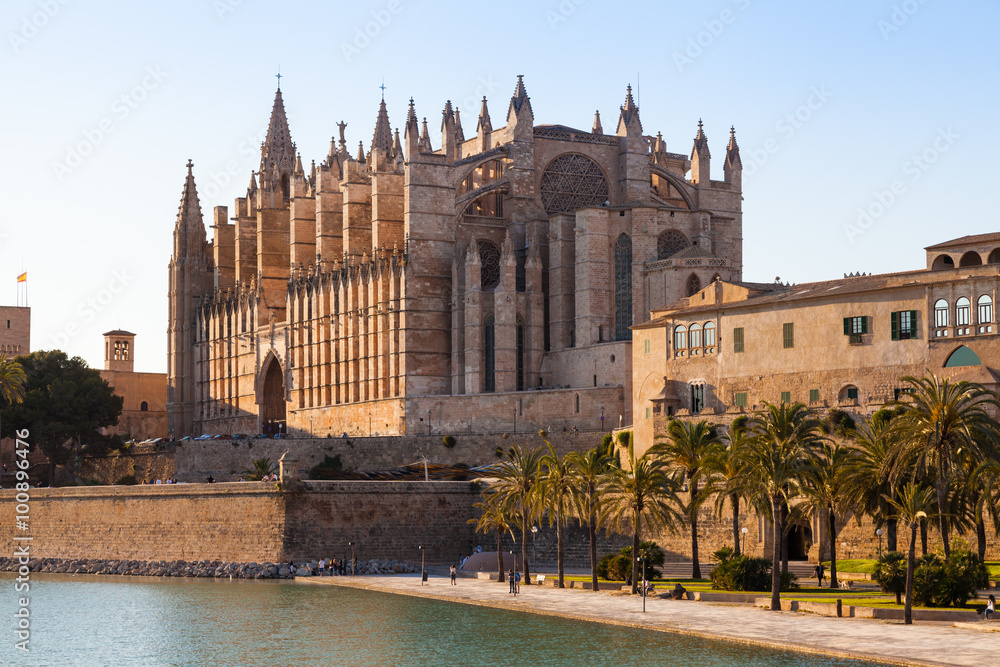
(971, 259)
(680, 337)
(994, 257)
(962, 356)
(578, 404)
(962, 312)
(849, 393)
(623, 288)
(985, 304)
(942, 262)
(520, 353)
(709, 334)
(693, 285)
(941, 313)
(489, 351)
(694, 337)
(571, 182)
(670, 243)
(482, 175)
(144, 407)
(489, 256)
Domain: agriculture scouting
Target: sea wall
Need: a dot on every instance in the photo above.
(246, 522)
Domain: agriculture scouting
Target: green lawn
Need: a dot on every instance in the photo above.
(994, 567)
(865, 566)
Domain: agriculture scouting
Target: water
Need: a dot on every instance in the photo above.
(91, 620)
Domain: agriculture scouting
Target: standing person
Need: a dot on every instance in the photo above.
(517, 582)
(322, 567)
(990, 607)
(510, 578)
(454, 574)
(820, 570)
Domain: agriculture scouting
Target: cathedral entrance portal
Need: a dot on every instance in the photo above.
(272, 400)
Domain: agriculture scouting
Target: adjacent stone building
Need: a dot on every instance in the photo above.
(144, 410)
(839, 343)
(485, 285)
(15, 330)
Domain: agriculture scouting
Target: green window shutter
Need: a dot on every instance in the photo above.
(788, 335)
(913, 323)
(864, 324)
(895, 326)
(738, 339)
(847, 326)
(813, 395)
(786, 397)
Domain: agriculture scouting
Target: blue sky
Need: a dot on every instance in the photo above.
(882, 107)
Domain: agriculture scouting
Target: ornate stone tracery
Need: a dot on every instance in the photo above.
(571, 182)
(489, 254)
(669, 243)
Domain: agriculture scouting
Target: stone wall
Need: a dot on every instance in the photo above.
(145, 467)
(15, 330)
(247, 522)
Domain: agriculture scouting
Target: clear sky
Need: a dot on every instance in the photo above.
(886, 107)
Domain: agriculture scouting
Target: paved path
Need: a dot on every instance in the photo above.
(885, 641)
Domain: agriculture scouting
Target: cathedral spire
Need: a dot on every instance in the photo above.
(189, 212)
(700, 157)
(520, 97)
(484, 124)
(382, 137)
(459, 133)
(361, 152)
(278, 142)
(629, 117)
(252, 188)
(397, 147)
(701, 140)
(733, 168)
(411, 132)
(597, 129)
(425, 139)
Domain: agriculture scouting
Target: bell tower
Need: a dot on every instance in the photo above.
(119, 351)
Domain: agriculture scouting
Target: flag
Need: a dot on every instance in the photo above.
(23, 278)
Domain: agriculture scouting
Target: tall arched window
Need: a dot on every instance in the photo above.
(709, 334)
(695, 335)
(680, 337)
(489, 352)
(489, 257)
(962, 312)
(941, 313)
(144, 407)
(623, 288)
(520, 354)
(694, 285)
(985, 304)
(578, 404)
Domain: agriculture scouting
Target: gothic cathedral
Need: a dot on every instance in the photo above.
(483, 286)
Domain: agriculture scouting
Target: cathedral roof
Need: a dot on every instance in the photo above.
(693, 251)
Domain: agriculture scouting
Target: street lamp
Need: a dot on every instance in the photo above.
(423, 577)
(602, 418)
(879, 532)
(744, 530)
(351, 544)
(643, 560)
(534, 551)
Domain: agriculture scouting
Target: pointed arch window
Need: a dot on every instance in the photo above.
(623, 288)
(520, 353)
(693, 285)
(489, 352)
(489, 256)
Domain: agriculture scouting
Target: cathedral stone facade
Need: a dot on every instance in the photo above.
(485, 285)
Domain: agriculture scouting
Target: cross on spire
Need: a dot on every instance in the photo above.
(383, 88)
(278, 77)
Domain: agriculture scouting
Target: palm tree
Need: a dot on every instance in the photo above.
(987, 480)
(555, 488)
(723, 470)
(12, 379)
(946, 425)
(914, 504)
(824, 489)
(495, 517)
(260, 468)
(645, 492)
(776, 457)
(688, 448)
(590, 471)
(867, 474)
(514, 485)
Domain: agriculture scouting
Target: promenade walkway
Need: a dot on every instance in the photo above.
(885, 641)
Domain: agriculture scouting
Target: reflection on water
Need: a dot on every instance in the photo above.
(90, 620)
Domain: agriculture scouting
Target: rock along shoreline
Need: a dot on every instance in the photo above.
(202, 568)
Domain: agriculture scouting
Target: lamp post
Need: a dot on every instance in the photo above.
(422, 575)
(602, 418)
(879, 532)
(744, 530)
(534, 551)
(643, 561)
(351, 544)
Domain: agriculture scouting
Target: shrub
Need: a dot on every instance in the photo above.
(890, 573)
(839, 422)
(607, 443)
(327, 468)
(746, 573)
(624, 438)
(127, 480)
(448, 441)
(602, 566)
(948, 583)
(618, 567)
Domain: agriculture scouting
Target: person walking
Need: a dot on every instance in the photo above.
(454, 575)
(820, 570)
